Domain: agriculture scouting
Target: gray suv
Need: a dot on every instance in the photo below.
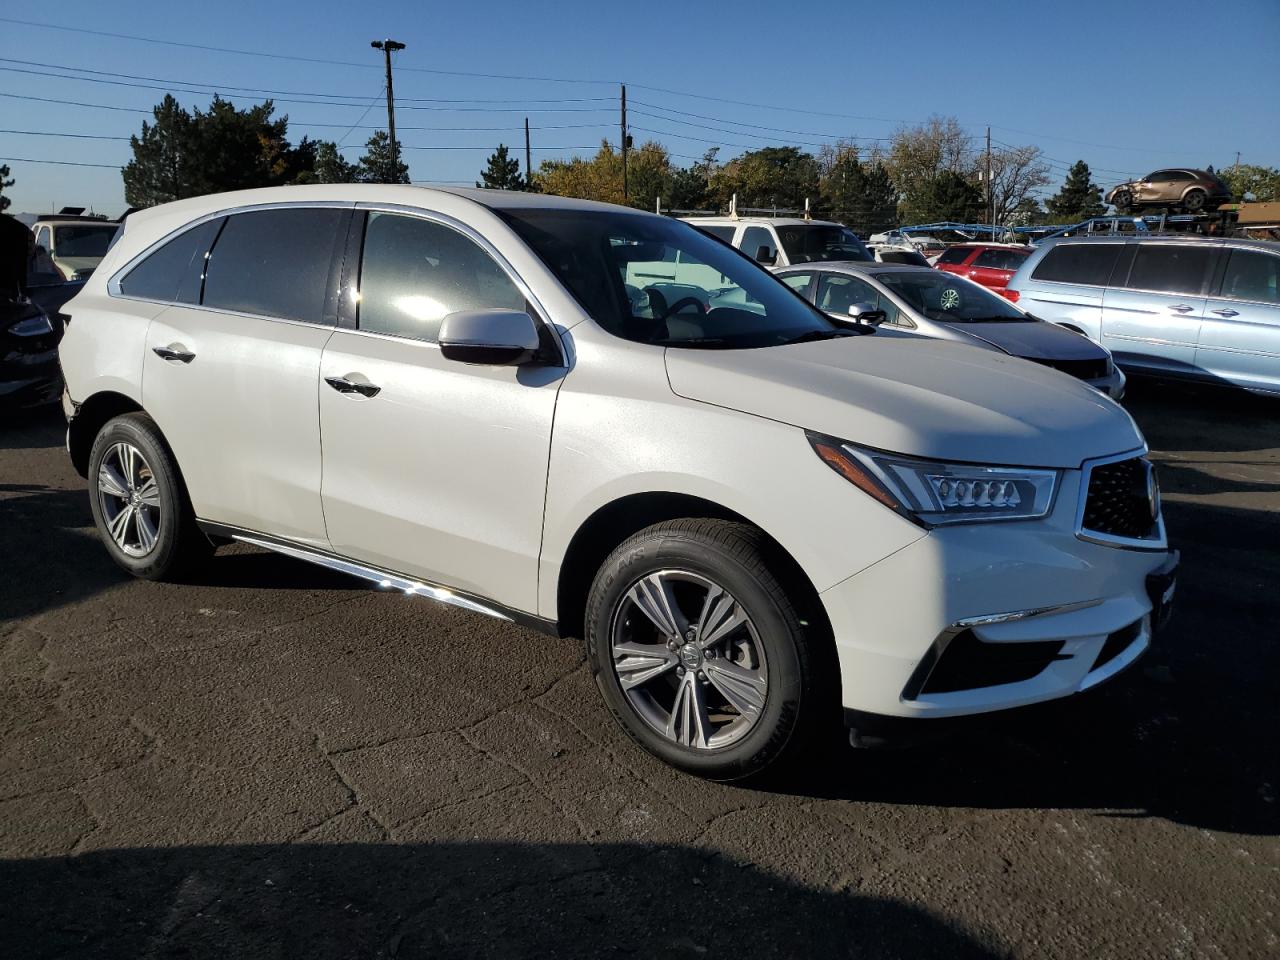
(1172, 306)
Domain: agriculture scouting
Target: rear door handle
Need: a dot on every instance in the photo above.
(343, 385)
(1227, 312)
(175, 353)
(1181, 308)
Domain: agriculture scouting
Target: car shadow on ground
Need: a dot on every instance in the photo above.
(1208, 418)
(481, 899)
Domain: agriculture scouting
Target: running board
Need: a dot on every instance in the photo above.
(384, 579)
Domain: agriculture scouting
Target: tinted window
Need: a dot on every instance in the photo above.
(1170, 269)
(753, 238)
(1000, 259)
(716, 300)
(1078, 263)
(812, 243)
(720, 233)
(1252, 275)
(910, 258)
(274, 263)
(955, 255)
(415, 272)
(173, 271)
(83, 240)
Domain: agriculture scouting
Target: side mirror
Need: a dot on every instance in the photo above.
(766, 255)
(866, 312)
(493, 337)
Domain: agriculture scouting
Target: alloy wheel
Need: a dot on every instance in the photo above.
(689, 659)
(130, 499)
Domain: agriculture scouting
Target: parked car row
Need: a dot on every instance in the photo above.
(598, 421)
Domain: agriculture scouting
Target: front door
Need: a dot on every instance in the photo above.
(1151, 317)
(1240, 339)
(438, 469)
(231, 378)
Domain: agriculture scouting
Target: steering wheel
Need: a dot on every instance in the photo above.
(682, 303)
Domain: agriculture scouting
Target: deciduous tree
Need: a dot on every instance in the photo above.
(781, 177)
(1251, 182)
(1016, 172)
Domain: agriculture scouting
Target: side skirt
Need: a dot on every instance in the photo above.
(386, 579)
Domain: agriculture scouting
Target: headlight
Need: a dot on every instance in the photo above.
(932, 493)
(32, 327)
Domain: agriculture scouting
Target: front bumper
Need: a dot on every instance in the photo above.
(977, 618)
(1112, 384)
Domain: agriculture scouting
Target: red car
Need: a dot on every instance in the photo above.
(990, 264)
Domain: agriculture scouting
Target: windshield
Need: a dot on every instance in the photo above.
(948, 298)
(654, 280)
(83, 240)
(809, 243)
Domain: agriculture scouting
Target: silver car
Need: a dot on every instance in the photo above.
(916, 301)
(1185, 307)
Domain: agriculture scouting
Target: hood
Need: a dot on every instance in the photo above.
(923, 398)
(1037, 340)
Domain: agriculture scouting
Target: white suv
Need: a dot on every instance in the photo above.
(786, 241)
(754, 515)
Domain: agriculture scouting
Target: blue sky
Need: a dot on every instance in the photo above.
(1052, 74)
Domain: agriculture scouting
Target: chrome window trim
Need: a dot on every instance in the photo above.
(471, 233)
(113, 284)
(1159, 543)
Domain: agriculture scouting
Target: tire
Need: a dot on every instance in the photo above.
(1122, 201)
(132, 469)
(1194, 201)
(768, 662)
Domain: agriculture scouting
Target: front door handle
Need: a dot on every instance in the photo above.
(1181, 308)
(174, 353)
(343, 385)
(1227, 312)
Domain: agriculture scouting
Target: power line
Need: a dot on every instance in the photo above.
(73, 103)
(739, 123)
(301, 93)
(47, 133)
(363, 115)
(62, 163)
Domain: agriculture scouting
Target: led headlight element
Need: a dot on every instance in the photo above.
(934, 493)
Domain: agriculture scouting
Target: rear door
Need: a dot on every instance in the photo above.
(1240, 336)
(1152, 313)
(438, 468)
(231, 377)
(993, 268)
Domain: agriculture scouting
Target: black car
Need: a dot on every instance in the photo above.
(31, 322)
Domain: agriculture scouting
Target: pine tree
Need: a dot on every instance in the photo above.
(502, 173)
(376, 165)
(163, 158)
(1079, 199)
(5, 182)
(330, 166)
(949, 196)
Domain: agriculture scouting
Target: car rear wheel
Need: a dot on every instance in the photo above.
(698, 650)
(139, 503)
(1193, 202)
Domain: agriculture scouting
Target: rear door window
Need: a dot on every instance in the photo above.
(172, 271)
(1000, 259)
(274, 263)
(720, 233)
(1088, 263)
(1166, 268)
(801, 283)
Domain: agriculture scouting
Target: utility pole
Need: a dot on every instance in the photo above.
(625, 144)
(528, 163)
(388, 47)
(991, 204)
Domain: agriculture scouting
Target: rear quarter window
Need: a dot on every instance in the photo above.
(1087, 263)
(172, 271)
(955, 255)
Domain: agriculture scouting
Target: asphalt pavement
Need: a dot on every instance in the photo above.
(273, 761)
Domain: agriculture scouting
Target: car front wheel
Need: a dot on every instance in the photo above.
(139, 503)
(699, 651)
(1193, 202)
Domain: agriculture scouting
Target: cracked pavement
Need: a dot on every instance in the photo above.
(273, 761)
